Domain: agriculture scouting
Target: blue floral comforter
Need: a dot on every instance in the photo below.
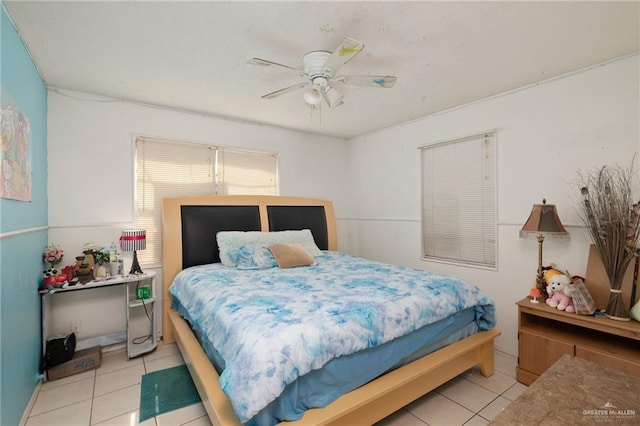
(272, 325)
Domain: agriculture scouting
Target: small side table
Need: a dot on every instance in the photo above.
(141, 332)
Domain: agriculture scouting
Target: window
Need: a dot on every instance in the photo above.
(242, 172)
(167, 169)
(459, 200)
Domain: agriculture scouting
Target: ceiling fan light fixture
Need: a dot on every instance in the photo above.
(333, 97)
(314, 62)
(312, 95)
(320, 67)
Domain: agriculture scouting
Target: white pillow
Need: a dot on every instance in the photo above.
(232, 240)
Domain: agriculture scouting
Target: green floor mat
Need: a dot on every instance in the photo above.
(166, 390)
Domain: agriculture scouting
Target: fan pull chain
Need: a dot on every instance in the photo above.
(311, 111)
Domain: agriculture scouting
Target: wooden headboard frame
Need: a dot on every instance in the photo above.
(176, 255)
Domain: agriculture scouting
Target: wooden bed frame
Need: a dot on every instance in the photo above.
(364, 405)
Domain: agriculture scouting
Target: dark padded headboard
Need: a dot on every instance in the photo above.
(201, 224)
(283, 218)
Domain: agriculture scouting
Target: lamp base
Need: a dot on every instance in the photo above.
(135, 266)
(541, 285)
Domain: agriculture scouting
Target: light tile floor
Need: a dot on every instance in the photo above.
(110, 396)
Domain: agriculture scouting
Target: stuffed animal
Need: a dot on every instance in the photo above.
(49, 277)
(559, 291)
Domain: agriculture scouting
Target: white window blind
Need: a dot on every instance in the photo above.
(459, 200)
(167, 169)
(244, 172)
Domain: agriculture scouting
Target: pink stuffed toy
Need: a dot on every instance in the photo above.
(559, 291)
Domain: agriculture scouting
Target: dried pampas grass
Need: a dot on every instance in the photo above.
(611, 216)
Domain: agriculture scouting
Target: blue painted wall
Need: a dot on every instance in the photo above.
(23, 236)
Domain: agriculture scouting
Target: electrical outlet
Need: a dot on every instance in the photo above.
(75, 326)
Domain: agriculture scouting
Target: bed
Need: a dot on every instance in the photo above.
(189, 227)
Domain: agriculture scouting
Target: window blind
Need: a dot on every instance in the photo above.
(459, 200)
(246, 172)
(166, 169)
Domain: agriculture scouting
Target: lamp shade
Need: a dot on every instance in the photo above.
(312, 95)
(133, 239)
(333, 97)
(544, 221)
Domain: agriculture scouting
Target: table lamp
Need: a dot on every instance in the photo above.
(543, 222)
(134, 240)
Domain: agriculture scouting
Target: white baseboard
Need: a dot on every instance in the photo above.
(102, 340)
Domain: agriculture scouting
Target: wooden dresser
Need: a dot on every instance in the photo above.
(545, 334)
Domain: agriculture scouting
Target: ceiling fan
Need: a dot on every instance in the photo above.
(320, 69)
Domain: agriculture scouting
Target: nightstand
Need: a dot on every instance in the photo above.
(545, 334)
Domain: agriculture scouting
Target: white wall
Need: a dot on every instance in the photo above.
(91, 190)
(545, 134)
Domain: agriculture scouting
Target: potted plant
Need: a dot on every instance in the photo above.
(101, 257)
(52, 255)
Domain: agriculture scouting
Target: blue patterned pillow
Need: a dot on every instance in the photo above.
(253, 256)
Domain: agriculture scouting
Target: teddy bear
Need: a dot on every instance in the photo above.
(559, 291)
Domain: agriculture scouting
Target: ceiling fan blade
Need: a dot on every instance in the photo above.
(347, 50)
(267, 63)
(386, 81)
(285, 90)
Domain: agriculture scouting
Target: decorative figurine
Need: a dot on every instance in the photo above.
(83, 270)
(534, 293)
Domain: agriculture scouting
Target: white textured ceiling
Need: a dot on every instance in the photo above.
(192, 55)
